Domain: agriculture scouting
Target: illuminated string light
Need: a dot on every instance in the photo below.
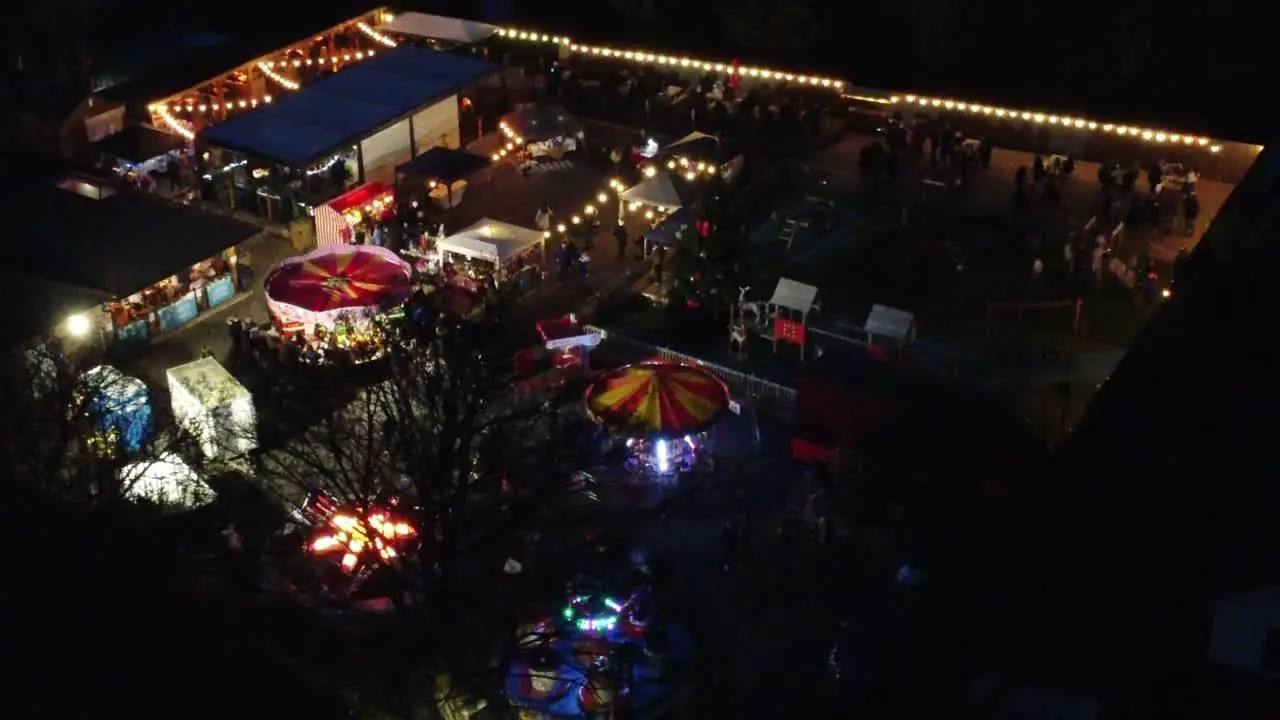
(1150, 135)
(325, 166)
(643, 57)
(279, 79)
(226, 169)
(173, 123)
(375, 35)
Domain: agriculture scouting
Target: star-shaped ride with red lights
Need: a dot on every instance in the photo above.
(359, 537)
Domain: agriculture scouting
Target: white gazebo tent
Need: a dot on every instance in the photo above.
(659, 191)
(439, 27)
(493, 241)
(791, 300)
(888, 322)
(167, 481)
(212, 405)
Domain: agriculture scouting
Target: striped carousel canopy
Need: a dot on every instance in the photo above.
(665, 399)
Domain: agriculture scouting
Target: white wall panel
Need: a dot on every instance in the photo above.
(437, 125)
(384, 150)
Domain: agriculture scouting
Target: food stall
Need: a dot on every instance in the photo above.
(541, 132)
(566, 345)
(147, 158)
(212, 405)
(489, 249)
(443, 171)
(175, 300)
(343, 219)
(667, 231)
(120, 408)
(698, 155)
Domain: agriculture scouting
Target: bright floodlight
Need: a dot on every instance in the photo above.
(78, 325)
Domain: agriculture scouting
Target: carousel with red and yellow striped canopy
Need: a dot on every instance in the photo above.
(664, 411)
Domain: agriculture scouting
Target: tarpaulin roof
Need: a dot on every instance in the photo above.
(439, 27)
(319, 120)
(359, 197)
(658, 398)
(444, 164)
(792, 295)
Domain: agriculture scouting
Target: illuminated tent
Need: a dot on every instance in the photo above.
(350, 282)
(119, 405)
(542, 122)
(700, 150)
(660, 191)
(212, 405)
(166, 481)
(656, 398)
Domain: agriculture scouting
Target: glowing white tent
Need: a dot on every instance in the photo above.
(491, 240)
(212, 405)
(166, 481)
(659, 191)
(439, 27)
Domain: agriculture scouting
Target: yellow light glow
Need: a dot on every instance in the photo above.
(376, 36)
(78, 326)
(650, 172)
(602, 197)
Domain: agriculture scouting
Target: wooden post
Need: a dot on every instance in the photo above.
(413, 140)
(360, 162)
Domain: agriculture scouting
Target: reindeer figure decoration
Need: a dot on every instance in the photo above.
(737, 323)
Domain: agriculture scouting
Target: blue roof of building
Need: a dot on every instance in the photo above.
(308, 126)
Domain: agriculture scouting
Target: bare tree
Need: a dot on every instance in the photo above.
(55, 439)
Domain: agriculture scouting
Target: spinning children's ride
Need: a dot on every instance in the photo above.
(664, 409)
(597, 657)
(337, 283)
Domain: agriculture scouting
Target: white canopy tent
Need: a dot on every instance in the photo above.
(492, 240)
(658, 191)
(439, 27)
(895, 324)
(699, 147)
(212, 405)
(167, 481)
(794, 296)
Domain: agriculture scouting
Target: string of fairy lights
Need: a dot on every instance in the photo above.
(168, 112)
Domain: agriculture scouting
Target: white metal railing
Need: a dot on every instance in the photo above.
(779, 397)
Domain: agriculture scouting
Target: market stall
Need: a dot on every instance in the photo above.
(175, 300)
(668, 231)
(444, 172)
(542, 132)
(698, 155)
(655, 197)
(489, 249)
(212, 405)
(167, 481)
(120, 409)
(147, 158)
(565, 344)
(328, 297)
(663, 410)
(352, 216)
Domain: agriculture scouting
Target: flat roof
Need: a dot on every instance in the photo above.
(116, 245)
(314, 123)
(138, 144)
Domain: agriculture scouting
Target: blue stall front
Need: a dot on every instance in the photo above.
(119, 403)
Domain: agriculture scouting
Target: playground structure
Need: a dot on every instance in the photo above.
(783, 319)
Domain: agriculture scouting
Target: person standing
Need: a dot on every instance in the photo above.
(620, 237)
(542, 219)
